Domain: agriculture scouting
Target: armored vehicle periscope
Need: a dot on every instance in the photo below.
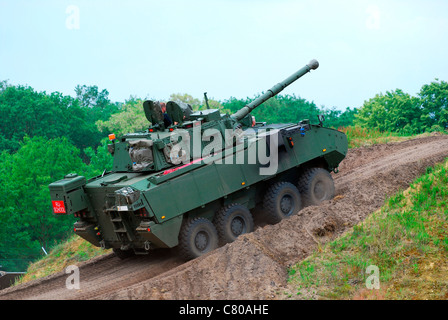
(195, 181)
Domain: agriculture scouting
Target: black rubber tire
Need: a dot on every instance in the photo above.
(281, 201)
(123, 254)
(197, 237)
(232, 221)
(316, 185)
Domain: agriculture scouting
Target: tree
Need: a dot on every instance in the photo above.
(434, 104)
(394, 111)
(25, 112)
(186, 98)
(337, 119)
(97, 103)
(279, 109)
(212, 103)
(100, 159)
(131, 119)
(26, 214)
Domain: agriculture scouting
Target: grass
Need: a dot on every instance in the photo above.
(361, 137)
(71, 252)
(407, 240)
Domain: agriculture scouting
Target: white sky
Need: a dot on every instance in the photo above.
(227, 48)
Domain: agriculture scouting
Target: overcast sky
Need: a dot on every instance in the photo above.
(227, 48)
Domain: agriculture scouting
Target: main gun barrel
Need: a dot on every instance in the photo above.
(244, 111)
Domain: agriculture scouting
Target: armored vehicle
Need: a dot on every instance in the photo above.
(193, 180)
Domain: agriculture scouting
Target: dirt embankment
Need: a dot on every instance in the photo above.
(254, 266)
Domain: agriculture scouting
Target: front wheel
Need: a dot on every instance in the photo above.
(197, 237)
(316, 185)
(281, 201)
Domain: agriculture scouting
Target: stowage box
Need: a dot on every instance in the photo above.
(67, 195)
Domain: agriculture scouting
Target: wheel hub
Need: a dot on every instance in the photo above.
(286, 205)
(319, 190)
(201, 240)
(237, 226)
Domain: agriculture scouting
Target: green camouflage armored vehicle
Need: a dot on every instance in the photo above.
(193, 180)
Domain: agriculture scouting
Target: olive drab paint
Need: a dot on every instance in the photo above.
(193, 179)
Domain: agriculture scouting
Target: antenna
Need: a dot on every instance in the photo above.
(206, 100)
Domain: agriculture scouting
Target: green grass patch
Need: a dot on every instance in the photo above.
(362, 137)
(72, 252)
(407, 239)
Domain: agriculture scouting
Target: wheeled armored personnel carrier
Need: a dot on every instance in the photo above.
(193, 180)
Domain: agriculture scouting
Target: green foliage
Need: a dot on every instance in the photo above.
(193, 102)
(291, 109)
(361, 137)
(25, 215)
(100, 159)
(25, 112)
(405, 239)
(213, 104)
(72, 251)
(337, 119)
(97, 103)
(434, 103)
(279, 109)
(402, 113)
(394, 111)
(130, 119)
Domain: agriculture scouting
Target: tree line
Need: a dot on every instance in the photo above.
(400, 112)
(44, 136)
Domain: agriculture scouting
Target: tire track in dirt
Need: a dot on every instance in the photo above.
(255, 265)
(97, 276)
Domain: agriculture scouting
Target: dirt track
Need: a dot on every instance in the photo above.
(254, 266)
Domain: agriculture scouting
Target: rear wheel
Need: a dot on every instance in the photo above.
(281, 201)
(233, 221)
(316, 185)
(197, 237)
